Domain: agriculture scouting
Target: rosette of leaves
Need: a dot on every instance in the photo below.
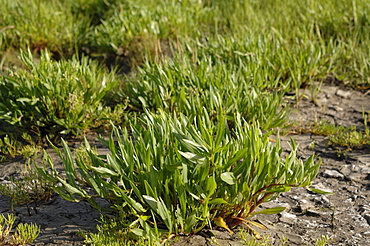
(169, 175)
(54, 96)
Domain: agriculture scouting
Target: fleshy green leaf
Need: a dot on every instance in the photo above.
(228, 177)
(275, 210)
(192, 157)
(103, 171)
(321, 192)
(217, 201)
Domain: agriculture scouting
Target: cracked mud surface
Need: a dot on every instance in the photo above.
(343, 216)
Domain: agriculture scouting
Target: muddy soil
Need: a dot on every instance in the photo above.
(343, 216)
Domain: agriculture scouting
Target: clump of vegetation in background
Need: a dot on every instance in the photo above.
(180, 86)
(342, 136)
(311, 37)
(40, 25)
(63, 97)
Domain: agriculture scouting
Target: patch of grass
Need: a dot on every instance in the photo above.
(349, 139)
(139, 27)
(312, 38)
(323, 241)
(324, 128)
(248, 239)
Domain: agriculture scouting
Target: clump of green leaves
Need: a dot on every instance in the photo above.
(56, 97)
(24, 233)
(175, 174)
(181, 86)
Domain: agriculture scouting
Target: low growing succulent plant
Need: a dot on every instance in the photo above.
(168, 175)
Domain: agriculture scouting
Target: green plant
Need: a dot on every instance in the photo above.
(322, 241)
(247, 239)
(349, 139)
(337, 135)
(324, 128)
(24, 233)
(11, 146)
(340, 135)
(181, 86)
(112, 232)
(174, 175)
(56, 97)
(29, 188)
(43, 24)
(149, 30)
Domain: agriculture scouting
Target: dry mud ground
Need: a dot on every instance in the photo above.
(344, 216)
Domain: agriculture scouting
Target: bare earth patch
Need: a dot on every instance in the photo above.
(343, 216)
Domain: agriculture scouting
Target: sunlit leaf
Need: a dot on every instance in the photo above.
(221, 223)
(275, 210)
(256, 224)
(192, 157)
(228, 177)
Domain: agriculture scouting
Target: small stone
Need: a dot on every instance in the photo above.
(304, 205)
(294, 238)
(288, 218)
(351, 189)
(322, 200)
(325, 200)
(346, 170)
(367, 218)
(332, 174)
(355, 177)
(315, 213)
(343, 94)
(339, 109)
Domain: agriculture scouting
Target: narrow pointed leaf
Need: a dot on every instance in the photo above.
(321, 192)
(275, 210)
